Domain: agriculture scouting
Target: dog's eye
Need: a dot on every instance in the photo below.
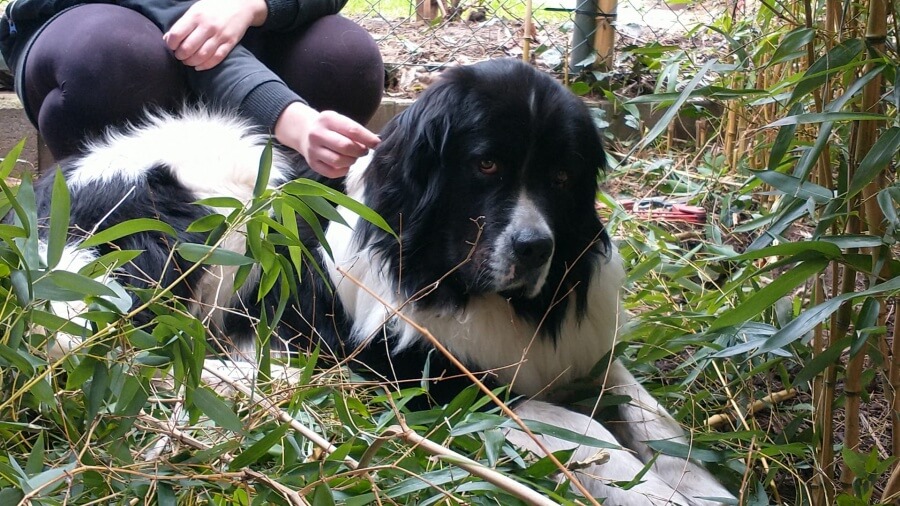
(488, 167)
(560, 178)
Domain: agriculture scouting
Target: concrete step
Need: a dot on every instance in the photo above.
(14, 127)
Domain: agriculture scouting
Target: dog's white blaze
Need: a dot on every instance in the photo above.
(525, 215)
(210, 154)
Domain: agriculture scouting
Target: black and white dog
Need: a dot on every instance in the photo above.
(489, 179)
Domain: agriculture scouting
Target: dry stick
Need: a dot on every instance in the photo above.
(473, 467)
(282, 415)
(754, 407)
(743, 419)
(489, 475)
(487, 391)
(892, 488)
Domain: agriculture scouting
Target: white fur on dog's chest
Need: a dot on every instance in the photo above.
(487, 334)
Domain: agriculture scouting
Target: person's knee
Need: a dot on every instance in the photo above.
(335, 64)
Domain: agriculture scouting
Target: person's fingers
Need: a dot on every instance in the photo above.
(179, 31)
(218, 56)
(203, 53)
(327, 170)
(350, 129)
(192, 43)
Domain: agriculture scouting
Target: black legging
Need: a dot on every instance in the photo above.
(99, 65)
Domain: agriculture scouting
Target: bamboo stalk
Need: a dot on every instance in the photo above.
(605, 34)
(527, 37)
(876, 33)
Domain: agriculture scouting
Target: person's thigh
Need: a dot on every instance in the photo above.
(333, 63)
(96, 66)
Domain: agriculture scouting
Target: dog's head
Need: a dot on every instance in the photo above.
(490, 179)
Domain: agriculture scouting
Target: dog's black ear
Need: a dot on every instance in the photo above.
(415, 141)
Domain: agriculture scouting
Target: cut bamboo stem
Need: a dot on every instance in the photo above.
(605, 34)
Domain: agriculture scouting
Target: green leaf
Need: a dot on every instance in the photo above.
(66, 286)
(783, 141)
(793, 45)
(795, 187)
(48, 480)
(165, 496)
(36, 458)
(265, 170)
(672, 111)
(823, 117)
(876, 160)
(303, 187)
(561, 433)
(322, 496)
(258, 449)
(808, 319)
(822, 360)
(685, 451)
(817, 73)
(766, 297)
(789, 249)
(127, 228)
(59, 219)
(216, 409)
(211, 255)
(8, 163)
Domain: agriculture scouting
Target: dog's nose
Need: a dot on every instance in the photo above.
(532, 248)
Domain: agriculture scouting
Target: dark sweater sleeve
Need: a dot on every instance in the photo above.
(242, 82)
(287, 15)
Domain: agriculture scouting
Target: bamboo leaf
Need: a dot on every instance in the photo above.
(211, 255)
(822, 360)
(766, 297)
(826, 249)
(216, 409)
(564, 434)
(303, 187)
(827, 64)
(8, 163)
(685, 451)
(795, 187)
(793, 45)
(258, 449)
(127, 228)
(817, 314)
(783, 140)
(822, 117)
(876, 160)
(66, 286)
(672, 111)
(59, 219)
(265, 170)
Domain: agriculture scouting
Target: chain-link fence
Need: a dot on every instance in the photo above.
(560, 36)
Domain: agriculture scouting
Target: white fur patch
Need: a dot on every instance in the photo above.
(211, 154)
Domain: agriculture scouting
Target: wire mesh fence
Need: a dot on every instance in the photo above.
(420, 37)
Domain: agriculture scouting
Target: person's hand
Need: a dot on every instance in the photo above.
(210, 29)
(329, 141)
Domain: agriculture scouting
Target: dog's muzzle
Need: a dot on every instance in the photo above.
(523, 251)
